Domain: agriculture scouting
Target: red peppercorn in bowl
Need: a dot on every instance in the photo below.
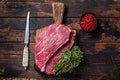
(88, 22)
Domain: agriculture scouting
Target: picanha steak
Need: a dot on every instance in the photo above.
(50, 66)
(48, 41)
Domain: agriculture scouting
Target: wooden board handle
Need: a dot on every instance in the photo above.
(58, 11)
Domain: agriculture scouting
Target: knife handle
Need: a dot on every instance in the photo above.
(25, 57)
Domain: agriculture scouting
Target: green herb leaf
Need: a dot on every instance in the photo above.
(69, 60)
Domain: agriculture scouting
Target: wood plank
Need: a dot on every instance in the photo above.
(101, 47)
(65, 1)
(95, 69)
(17, 78)
(12, 29)
(35, 23)
(16, 70)
(97, 63)
(89, 48)
(84, 71)
(19, 23)
(104, 8)
(14, 48)
(98, 53)
(106, 48)
(16, 36)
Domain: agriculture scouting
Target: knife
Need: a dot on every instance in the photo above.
(26, 41)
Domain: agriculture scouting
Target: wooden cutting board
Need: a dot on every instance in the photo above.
(58, 11)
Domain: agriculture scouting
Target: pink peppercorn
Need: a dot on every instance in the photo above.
(88, 22)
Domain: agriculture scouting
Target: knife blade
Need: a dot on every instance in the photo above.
(26, 41)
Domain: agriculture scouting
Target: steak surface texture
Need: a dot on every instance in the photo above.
(56, 57)
(48, 41)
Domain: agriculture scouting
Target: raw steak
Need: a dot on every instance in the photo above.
(56, 57)
(48, 41)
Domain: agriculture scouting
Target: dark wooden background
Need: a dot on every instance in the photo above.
(101, 47)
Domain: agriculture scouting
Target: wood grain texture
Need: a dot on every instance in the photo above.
(58, 12)
(98, 62)
(104, 8)
(107, 29)
(101, 47)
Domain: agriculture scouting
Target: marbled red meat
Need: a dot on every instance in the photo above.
(56, 57)
(48, 41)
